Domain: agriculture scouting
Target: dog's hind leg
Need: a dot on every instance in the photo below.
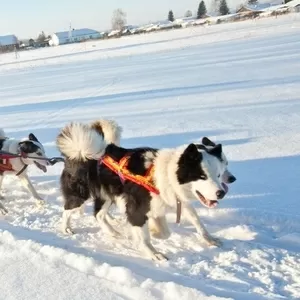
(100, 212)
(72, 204)
(28, 185)
(190, 213)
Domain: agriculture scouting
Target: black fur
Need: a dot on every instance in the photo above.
(32, 137)
(28, 147)
(216, 151)
(83, 180)
(189, 165)
(207, 142)
(93, 179)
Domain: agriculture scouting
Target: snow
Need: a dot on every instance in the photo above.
(235, 83)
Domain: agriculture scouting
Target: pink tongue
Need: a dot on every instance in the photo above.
(225, 187)
(212, 203)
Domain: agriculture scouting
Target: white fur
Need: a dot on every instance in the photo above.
(142, 238)
(112, 131)
(12, 145)
(166, 166)
(213, 168)
(80, 142)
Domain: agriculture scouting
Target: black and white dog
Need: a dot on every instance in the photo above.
(158, 226)
(180, 173)
(32, 153)
(75, 185)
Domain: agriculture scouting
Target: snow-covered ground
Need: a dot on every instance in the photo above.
(237, 83)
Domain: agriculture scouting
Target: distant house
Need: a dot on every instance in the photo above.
(8, 43)
(73, 36)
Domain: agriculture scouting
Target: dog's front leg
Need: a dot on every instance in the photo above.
(142, 238)
(191, 215)
(3, 210)
(159, 228)
(28, 185)
(1, 180)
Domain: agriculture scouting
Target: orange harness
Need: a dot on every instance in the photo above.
(121, 169)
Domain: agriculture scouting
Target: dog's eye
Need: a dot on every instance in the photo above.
(203, 177)
(219, 175)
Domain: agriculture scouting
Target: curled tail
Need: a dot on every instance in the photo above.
(109, 129)
(78, 141)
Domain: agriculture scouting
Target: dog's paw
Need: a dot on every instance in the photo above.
(160, 235)
(3, 211)
(159, 257)
(40, 203)
(68, 230)
(212, 241)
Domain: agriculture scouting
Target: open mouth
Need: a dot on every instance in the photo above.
(42, 167)
(206, 202)
(211, 203)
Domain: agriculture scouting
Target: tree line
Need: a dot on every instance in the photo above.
(202, 11)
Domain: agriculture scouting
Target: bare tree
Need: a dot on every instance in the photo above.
(188, 14)
(118, 20)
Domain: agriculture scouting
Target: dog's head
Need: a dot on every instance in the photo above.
(33, 152)
(200, 170)
(227, 176)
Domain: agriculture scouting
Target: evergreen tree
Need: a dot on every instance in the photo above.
(171, 16)
(201, 10)
(224, 10)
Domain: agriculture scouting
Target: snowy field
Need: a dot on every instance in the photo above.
(238, 84)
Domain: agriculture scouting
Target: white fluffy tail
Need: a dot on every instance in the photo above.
(80, 142)
(2, 134)
(109, 129)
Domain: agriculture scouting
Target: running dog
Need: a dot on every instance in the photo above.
(31, 152)
(157, 179)
(75, 186)
(158, 226)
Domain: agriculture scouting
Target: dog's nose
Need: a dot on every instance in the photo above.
(231, 179)
(220, 194)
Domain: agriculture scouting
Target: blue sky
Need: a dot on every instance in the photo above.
(26, 18)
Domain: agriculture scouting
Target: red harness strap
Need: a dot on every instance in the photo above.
(121, 169)
(5, 164)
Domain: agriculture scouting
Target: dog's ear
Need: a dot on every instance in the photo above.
(216, 151)
(191, 153)
(32, 137)
(207, 142)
